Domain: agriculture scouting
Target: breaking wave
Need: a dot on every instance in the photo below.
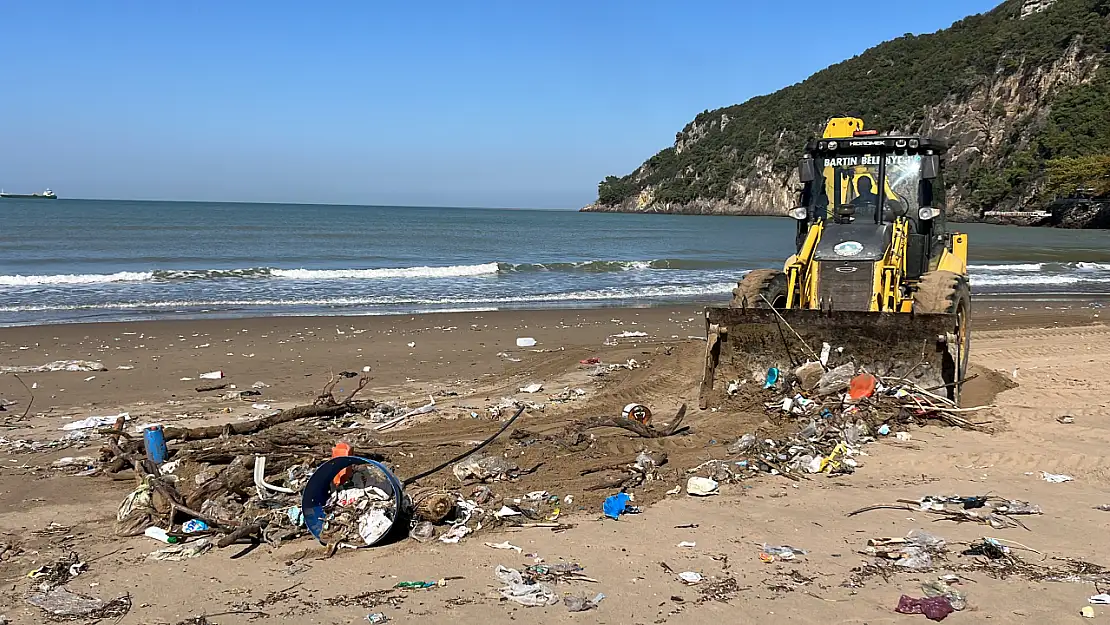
(592, 295)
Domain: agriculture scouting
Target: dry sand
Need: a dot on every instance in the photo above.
(1058, 358)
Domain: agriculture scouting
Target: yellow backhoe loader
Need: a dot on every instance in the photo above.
(877, 277)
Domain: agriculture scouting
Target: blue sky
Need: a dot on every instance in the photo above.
(507, 104)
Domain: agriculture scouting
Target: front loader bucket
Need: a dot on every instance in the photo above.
(743, 343)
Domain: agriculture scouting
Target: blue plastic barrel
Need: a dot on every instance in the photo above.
(319, 488)
(155, 443)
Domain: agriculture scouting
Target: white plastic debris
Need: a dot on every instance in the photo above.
(373, 525)
(1055, 478)
(57, 365)
(212, 375)
(529, 595)
(412, 344)
(505, 545)
(690, 577)
(688, 544)
(526, 342)
(701, 486)
(506, 511)
(535, 387)
(629, 335)
(826, 349)
(95, 422)
(455, 534)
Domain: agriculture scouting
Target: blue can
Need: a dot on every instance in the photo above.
(155, 442)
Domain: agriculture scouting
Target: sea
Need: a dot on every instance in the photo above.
(67, 261)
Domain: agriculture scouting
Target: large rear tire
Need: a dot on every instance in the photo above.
(768, 283)
(949, 293)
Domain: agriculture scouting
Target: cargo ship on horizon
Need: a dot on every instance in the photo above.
(45, 195)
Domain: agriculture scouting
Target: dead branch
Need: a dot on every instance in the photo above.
(256, 425)
(30, 401)
(213, 387)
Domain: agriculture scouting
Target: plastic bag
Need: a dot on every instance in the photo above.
(528, 595)
(915, 559)
(836, 380)
(925, 540)
(484, 468)
(934, 608)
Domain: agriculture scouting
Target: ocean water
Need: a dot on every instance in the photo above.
(83, 260)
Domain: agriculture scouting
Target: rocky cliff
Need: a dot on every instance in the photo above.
(1011, 90)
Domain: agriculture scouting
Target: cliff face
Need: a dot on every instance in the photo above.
(1010, 90)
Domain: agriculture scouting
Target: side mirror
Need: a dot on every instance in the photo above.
(807, 171)
(930, 166)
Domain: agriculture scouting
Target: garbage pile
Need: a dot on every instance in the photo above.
(834, 411)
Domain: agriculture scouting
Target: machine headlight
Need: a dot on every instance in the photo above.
(832, 145)
(928, 212)
(799, 213)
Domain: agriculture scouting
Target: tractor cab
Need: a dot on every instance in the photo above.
(860, 186)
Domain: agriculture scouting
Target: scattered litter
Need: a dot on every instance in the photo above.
(687, 544)
(532, 388)
(1105, 507)
(455, 534)
(260, 385)
(1101, 599)
(526, 342)
(1087, 612)
(628, 335)
(1065, 419)
(772, 377)
(90, 378)
(485, 469)
(411, 344)
(505, 545)
(690, 577)
(934, 608)
(784, 552)
(95, 422)
(377, 618)
(581, 604)
(193, 526)
(1055, 478)
(506, 511)
(638, 413)
(57, 365)
(125, 367)
(836, 380)
(212, 375)
(616, 505)
(701, 486)
(517, 591)
(62, 603)
(884, 430)
(260, 406)
(902, 436)
(185, 551)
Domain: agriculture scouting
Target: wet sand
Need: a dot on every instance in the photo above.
(1056, 353)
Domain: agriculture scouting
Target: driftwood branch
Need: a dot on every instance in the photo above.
(637, 428)
(212, 387)
(256, 425)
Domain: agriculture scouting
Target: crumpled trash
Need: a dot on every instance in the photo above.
(1102, 599)
(934, 608)
(809, 374)
(62, 603)
(138, 508)
(57, 365)
(1055, 478)
(422, 531)
(783, 552)
(95, 422)
(690, 577)
(836, 380)
(505, 545)
(373, 526)
(616, 505)
(485, 468)
(581, 604)
(455, 534)
(940, 588)
(742, 444)
(184, 551)
(528, 595)
(535, 387)
(701, 486)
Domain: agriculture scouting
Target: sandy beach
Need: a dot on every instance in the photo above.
(1036, 361)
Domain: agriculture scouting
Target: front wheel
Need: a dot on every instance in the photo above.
(759, 287)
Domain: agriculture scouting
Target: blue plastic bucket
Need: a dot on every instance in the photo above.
(154, 441)
(319, 488)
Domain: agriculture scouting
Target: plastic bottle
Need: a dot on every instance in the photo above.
(159, 534)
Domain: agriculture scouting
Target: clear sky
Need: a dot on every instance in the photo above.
(487, 103)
